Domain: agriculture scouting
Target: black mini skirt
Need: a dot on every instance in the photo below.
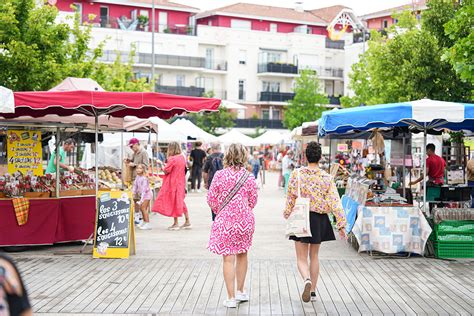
(321, 229)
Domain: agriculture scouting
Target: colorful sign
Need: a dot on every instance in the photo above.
(114, 229)
(24, 152)
(342, 147)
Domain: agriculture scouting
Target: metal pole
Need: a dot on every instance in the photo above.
(153, 24)
(121, 153)
(96, 154)
(403, 166)
(58, 184)
(424, 170)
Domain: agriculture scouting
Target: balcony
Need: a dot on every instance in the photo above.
(334, 100)
(267, 96)
(334, 44)
(278, 68)
(172, 60)
(254, 123)
(186, 91)
(324, 72)
(127, 24)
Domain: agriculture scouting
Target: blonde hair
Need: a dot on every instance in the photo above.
(143, 167)
(174, 148)
(236, 156)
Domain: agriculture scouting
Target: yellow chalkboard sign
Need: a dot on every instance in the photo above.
(114, 234)
(24, 152)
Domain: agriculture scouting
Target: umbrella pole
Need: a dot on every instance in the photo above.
(58, 184)
(157, 151)
(403, 166)
(121, 154)
(424, 170)
(96, 155)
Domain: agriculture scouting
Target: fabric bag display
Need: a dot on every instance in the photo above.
(298, 223)
(22, 208)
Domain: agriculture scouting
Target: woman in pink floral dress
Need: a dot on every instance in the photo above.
(232, 196)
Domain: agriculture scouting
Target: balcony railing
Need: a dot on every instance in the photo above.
(254, 123)
(334, 44)
(326, 71)
(275, 96)
(186, 91)
(127, 24)
(278, 68)
(111, 56)
(172, 60)
(215, 64)
(334, 100)
(359, 37)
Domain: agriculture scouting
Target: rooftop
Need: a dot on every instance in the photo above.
(158, 3)
(416, 5)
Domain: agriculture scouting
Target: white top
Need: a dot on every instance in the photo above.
(285, 165)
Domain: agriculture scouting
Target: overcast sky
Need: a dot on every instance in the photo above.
(359, 6)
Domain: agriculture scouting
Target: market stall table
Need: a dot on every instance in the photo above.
(50, 221)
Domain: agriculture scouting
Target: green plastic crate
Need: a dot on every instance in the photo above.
(456, 237)
(433, 194)
(452, 227)
(454, 249)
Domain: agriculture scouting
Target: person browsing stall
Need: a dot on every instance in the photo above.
(470, 178)
(140, 156)
(435, 166)
(68, 146)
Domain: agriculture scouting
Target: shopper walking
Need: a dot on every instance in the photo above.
(13, 296)
(255, 165)
(287, 165)
(170, 200)
(142, 194)
(214, 163)
(232, 197)
(320, 188)
(197, 156)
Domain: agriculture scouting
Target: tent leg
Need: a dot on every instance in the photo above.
(121, 153)
(96, 155)
(403, 166)
(58, 168)
(424, 170)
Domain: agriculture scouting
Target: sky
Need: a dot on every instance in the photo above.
(359, 6)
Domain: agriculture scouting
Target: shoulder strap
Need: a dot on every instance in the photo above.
(234, 191)
(299, 181)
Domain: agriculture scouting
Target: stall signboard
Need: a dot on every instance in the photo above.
(342, 147)
(24, 152)
(114, 235)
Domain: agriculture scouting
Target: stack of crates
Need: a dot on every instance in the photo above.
(454, 239)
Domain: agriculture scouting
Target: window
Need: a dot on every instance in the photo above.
(270, 57)
(273, 27)
(209, 58)
(384, 24)
(266, 114)
(241, 24)
(180, 80)
(78, 9)
(241, 89)
(162, 21)
(242, 57)
(395, 21)
(241, 114)
(209, 23)
(270, 86)
(276, 115)
(104, 16)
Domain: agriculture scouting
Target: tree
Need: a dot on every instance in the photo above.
(460, 31)
(38, 52)
(308, 103)
(210, 122)
(405, 65)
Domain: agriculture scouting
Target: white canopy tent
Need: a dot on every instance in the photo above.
(189, 129)
(234, 136)
(272, 138)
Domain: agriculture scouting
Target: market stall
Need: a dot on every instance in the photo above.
(393, 227)
(62, 218)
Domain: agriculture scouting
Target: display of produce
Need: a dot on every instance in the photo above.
(110, 178)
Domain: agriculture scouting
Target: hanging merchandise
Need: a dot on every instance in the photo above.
(378, 142)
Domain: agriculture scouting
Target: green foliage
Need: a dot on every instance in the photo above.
(210, 122)
(439, 13)
(308, 103)
(119, 76)
(38, 52)
(460, 31)
(406, 65)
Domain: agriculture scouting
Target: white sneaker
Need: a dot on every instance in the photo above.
(199, 191)
(242, 297)
(145, 226)
(230, 303)
(306, 296)
(193, 191)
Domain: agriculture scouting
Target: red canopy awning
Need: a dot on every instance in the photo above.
(117, 104)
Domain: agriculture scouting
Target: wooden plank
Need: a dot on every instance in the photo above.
(205, 293)
(295, 297)
(333, 290)
(265, 306)
(254, 303)
(197, 288)
(385, 277)
(35, 277)
(307, 307)
(178, 273)
(215, 293)
(243, 308)
(187, 289)
(443, 270)
(275, 300)
(220, 308)
(286, 306)
(379, 293)
(358, 292)
(132, 293)
(324, 297)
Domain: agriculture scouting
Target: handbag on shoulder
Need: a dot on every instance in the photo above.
(298, 223)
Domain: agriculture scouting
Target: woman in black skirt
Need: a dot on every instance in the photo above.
(319, 187)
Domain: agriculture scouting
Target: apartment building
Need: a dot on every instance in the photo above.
(381, 20)
(246, 53)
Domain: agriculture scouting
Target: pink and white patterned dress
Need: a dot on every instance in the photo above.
(233, 228)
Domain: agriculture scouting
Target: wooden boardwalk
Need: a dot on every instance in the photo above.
(368, 286)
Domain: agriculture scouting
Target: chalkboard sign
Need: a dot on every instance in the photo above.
(114, 234)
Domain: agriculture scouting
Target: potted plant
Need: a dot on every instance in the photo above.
(190, 30)
(143, 22)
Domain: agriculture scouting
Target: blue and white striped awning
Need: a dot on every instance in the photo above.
(423, 114)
